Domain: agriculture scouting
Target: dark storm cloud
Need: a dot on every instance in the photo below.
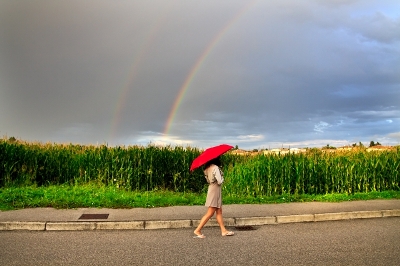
(281, 72)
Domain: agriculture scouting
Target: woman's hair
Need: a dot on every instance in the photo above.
(215, 161)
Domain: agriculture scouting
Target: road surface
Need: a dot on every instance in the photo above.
(349, 242)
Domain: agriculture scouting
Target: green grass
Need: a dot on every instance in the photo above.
(91, 195)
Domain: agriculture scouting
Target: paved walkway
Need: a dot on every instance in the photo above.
(235, 215)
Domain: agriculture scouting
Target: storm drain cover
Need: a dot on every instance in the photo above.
(245, 228)
(94, 216)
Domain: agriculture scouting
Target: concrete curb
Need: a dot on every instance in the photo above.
(148, 225)
(31, 226)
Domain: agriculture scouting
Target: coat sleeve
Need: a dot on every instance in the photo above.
(219, 176)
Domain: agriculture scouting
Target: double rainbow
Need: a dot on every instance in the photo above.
(143, 51)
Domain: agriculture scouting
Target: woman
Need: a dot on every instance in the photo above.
(215, 178)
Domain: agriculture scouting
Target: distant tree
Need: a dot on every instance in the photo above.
(236, 147)
(328, 147)
(372, 143)
(255, 150)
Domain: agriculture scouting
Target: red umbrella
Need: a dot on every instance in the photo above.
(209, 154)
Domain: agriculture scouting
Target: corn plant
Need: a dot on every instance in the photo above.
(148, 168)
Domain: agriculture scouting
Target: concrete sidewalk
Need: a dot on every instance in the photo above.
(235, 215)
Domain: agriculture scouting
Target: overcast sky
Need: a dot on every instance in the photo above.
(257, 74)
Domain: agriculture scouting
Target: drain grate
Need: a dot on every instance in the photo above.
(88, 216)
(245, 228)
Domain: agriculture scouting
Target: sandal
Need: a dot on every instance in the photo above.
(230, 233)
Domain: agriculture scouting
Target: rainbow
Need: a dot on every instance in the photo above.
(132, 73)
(200, 61)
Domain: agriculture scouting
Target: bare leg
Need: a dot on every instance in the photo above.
(210, 212)
(221, 222)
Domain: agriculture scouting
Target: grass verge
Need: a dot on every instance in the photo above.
(65, 196)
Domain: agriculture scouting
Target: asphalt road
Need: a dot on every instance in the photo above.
(349, 242)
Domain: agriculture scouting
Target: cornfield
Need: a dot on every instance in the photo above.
(150, 168)
(315, 172)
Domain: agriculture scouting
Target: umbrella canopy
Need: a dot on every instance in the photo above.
(209, 154)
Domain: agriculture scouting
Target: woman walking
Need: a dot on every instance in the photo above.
(215, 178)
